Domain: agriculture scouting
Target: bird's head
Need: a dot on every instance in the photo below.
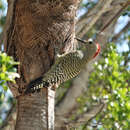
(90, 49)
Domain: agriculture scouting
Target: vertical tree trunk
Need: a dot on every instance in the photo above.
(32, 112)
(35, 31)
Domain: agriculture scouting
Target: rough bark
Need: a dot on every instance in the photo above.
(31, 112)
(35, 32)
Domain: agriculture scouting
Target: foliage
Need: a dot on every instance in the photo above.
(127, 12)
(7, 73)
(88, 4)
(7, 70)
(2, 18)
(109, 84)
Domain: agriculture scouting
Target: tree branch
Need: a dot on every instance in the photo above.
(115, 16)
(1, 39)
(10, 119)
(114, 39)
(86, 117)
(101, 8)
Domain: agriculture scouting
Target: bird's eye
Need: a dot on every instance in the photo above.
(90, 41)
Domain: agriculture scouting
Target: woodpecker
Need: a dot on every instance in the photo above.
(66, 66)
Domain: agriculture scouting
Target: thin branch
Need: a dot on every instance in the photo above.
(127, 59)
(86, 117)
(119, 2)
(96, 111)
(1, 39)
(114, 39)
(9, 114)
(105, 5)
(83, 21)
(115, 16)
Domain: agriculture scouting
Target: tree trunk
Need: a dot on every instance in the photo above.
(31, 112)
(35, 31)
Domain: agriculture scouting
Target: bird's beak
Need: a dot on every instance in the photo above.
(80, 40)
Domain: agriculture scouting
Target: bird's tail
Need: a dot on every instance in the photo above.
(36, 85)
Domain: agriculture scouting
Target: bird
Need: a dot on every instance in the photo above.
(66, 66)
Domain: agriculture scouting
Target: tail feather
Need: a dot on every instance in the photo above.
(36, 85)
